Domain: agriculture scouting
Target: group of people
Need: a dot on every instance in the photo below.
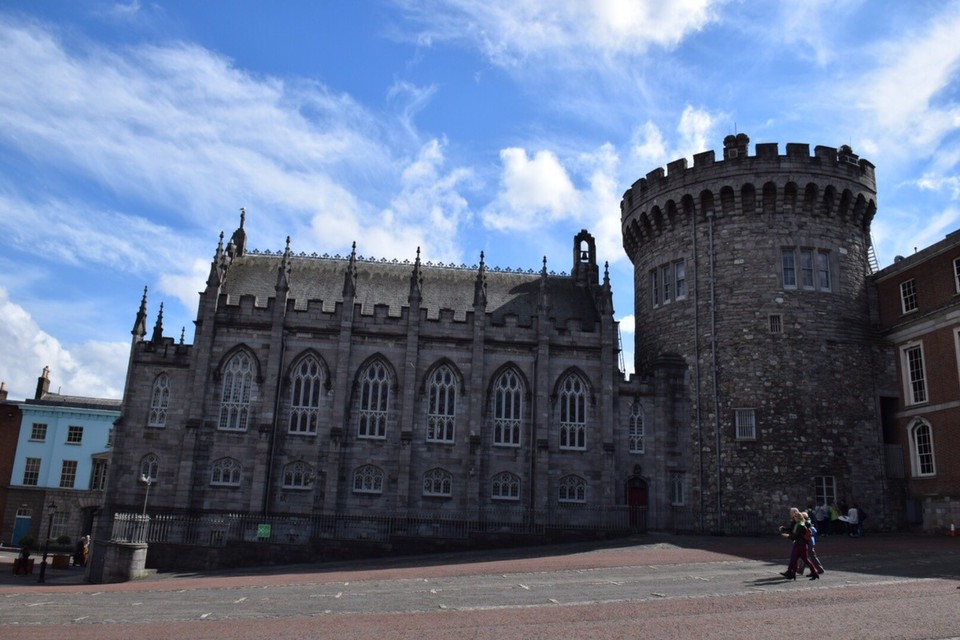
(838, 518)
(803, 533)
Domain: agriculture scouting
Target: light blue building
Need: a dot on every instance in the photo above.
(61, 459)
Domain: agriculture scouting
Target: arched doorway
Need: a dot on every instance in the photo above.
(638, 501)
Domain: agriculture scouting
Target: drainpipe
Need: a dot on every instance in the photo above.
(716, 387)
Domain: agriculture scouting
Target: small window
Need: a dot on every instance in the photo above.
(956, 275)
(806, 268)
(908, 296)
(74, 435)
(775, 323)
(825, 490)
(915, 378)
(438, 482)
(789, 264)
(636, 428)
(159, 401)
(68, 474)
(58, 524)
(98, 479)
(678, 481)
(666, 278)
(573, 489)
(825, 282)
(150, 467)
(655, 288)
(226, 473)
(921, 449)
(368, 479)
(297, 475)
(31, 472)
(680, 273)
(38, 432)
(505, 486)
(746, 424)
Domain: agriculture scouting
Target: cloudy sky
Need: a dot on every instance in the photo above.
(131, 134)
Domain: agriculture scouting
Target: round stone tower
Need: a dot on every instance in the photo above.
(755, 270)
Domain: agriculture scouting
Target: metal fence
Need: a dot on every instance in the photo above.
(219, 529)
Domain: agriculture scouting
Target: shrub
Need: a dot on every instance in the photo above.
(26, 541)
(64, 539)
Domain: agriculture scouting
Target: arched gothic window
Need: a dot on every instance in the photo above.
(374, 400)
(442, 405)
(507, 409)
(297, 475)
(573, 488)
(159, 401)
(150, 467)
(237, 390)
(437, 482)
(306, 391)
(573, 413)
(921, 449)
(505, 486)
(368, 479)
(636, 428)
(226, 473)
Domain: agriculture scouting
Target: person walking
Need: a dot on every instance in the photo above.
(798, 532)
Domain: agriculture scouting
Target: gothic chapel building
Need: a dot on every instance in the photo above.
(332, 389)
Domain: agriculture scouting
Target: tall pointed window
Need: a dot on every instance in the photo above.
(507, 409)
(374, 400)
(238, 387)
(306, 391)
(636, 428)
(573, 413)
(150, 466)
(442, 405)
(159, 401)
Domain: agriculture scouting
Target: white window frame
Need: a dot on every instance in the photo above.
(438, 483)
(38, 432)
(908, 296)
(923, 461)
(745, 421)
(913, 365)
(442, 406)
(98, 476)
(956, 274)
(74, 434)
(368, 479)
(68, 474)
(374, 401)
(825, 490)
(666, 282)
(508, 393)
(159, 401)
(655, 288)
(788, 267)
(31, 472)
(824, 273)
(306, 390)
(680, 279)
(636, 429)
(807, 269)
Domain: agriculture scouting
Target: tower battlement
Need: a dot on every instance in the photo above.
(831, 183)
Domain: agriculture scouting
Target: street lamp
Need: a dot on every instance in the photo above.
(51, 509)
(147, 480)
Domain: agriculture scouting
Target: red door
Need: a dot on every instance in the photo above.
(637, 502)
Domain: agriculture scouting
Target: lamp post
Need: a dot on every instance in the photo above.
(147, 480)
(51, 509)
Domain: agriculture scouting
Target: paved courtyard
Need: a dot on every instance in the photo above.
(654, 586)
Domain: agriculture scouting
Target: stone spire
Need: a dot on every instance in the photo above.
(158, 328)
(416, 282)
(350, 277)
(140, 324)
(480, 286)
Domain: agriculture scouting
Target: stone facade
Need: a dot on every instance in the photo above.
(755, 270)
(344, 385)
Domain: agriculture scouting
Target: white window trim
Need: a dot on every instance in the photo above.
(915, 466)
(908, 393)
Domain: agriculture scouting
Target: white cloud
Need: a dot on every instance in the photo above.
(565, 32)
(95, 369)
(533, 191)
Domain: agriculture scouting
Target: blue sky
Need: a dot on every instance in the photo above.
(131, 134)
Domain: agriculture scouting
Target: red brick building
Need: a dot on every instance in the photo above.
(9, 433)
(919, 304)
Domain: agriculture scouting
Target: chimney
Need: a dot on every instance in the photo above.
(3, 391)
(43, 384)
